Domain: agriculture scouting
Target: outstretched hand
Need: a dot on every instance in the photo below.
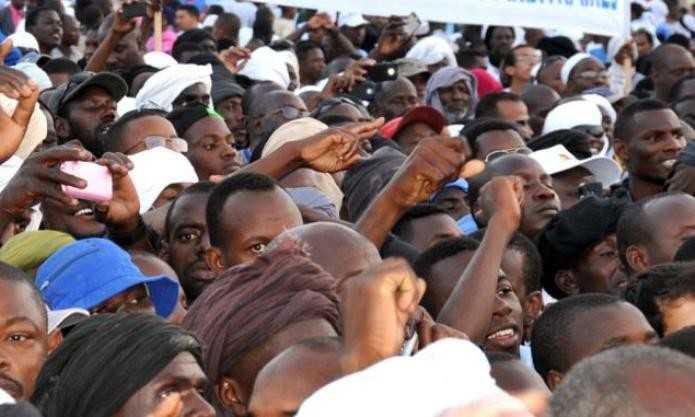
(337, 149)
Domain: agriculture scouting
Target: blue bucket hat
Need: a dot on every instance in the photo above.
(91, 271)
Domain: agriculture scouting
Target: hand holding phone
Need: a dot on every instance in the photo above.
(99, 181)
(382, 72)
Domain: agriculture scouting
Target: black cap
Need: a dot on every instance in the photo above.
(573, 231)
(79, 82)
(224, 89)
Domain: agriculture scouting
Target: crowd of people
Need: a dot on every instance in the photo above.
(230, 208)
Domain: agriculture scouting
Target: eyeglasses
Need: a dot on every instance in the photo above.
(151, 142)
(289, 113)
(503, 152)
(594, 75)
(329, 104)
(591, 130)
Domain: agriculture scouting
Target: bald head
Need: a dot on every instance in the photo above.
(669, 63)
(394, 98)
(539, 98)
(294, 375)
(339, 250)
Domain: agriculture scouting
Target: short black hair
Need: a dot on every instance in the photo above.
(532, 262)
(33, 16)
(190, 9)
(114, 136)
(686, 252)
(429, 258)
(442, 250)
(661, 283)
(675, 93)
(626, 118)
(551, 331)
(487, 107)
(221, 193)
(61, 66)
(402, 228)
(633, 229)
(683, 341)
(303, 48)
(483, 125)
(9, 273)
(215, 9)
(194, 36)
(183, 47)
(202, 187)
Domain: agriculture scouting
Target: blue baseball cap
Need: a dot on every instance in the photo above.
(89, 272)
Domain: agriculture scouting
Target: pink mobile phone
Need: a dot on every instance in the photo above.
(99, 182)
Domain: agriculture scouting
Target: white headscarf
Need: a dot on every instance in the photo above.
(266, 64)
(161, 89)
(432, 50)
(156, 169)
(570, 64)
(301, 129)
(456, 371)
(575, 113)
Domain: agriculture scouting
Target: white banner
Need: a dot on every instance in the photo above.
(601, 17)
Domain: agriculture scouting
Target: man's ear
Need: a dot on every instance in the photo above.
(553, 379)
(62, 128)
(164, 250)
(55, 338)
(213, 257)
(621, 150)
(567, 282)
(637, 258)
(231, 396)
(533, 307)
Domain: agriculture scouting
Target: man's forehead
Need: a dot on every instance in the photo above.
(647, 119)
(517, 165)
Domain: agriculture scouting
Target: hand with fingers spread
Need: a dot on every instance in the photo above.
(40, 178)
(120, 214)
(376, 307)
(335, 150)
(13, 126)
(434, 162)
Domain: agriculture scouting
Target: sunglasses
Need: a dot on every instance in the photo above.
(289, 113)
(591, 130)
(503, 152)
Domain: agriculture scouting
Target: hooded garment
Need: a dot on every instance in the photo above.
(162, 88)
(301, 129)
(432, 50)
(364, 181)
(266, 64)
(250, 303)
(620, 83)
(446, 77)
(105, 360)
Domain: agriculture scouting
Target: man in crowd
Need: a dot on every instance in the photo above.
(327, 235)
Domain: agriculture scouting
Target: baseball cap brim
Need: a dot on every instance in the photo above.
(605, 170)
(164, 294)
(422, 114)
(59, 319)
(112, 83)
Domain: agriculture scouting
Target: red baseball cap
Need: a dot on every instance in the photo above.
(423, 114)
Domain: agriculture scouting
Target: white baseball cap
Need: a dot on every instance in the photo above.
(558, 159)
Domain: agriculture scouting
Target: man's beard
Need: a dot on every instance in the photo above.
(455, 117)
